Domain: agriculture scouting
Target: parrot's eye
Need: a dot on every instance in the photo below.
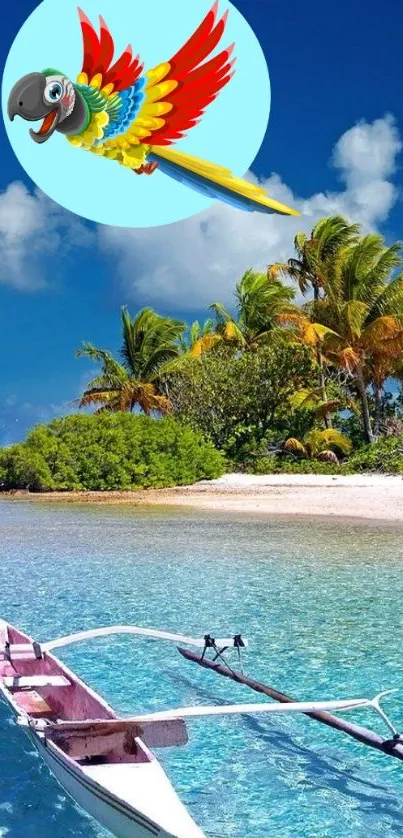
(53, 92)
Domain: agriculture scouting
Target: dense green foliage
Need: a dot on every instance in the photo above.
(385, 456)
(109, 451)
(240, 400)
(268, 370)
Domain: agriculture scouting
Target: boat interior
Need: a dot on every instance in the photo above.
(42, 688)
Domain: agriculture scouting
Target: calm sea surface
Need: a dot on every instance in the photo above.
(321, 605)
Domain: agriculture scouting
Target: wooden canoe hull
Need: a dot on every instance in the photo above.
(121, 820)
(128, 793)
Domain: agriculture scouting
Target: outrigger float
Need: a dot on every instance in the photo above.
(105, 762)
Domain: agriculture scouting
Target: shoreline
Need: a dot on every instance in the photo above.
(364, 497)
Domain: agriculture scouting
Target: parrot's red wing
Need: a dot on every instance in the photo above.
(176, 92)
(99, 53)
(198, 84)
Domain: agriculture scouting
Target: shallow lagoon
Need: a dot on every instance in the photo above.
(321, 605)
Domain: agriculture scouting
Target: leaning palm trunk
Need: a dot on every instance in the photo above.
(378, 410)
(319, 357)
(366, 417)
(322, 385)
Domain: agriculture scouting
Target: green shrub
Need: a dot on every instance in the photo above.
(21, 468)
(240, 400)
(109, 451)
(385, 456)
(286, 465)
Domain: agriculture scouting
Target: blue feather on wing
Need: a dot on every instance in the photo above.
(130, 103)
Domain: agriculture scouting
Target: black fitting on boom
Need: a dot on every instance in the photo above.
(37, 650)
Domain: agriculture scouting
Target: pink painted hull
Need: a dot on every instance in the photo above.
(75, 702)
(118, 807)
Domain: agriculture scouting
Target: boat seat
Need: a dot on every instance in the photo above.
(17, 682)
(32, 703)
(20, 651)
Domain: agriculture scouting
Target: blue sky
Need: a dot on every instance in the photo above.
(333, 144)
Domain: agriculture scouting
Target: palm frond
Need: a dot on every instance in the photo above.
(294, 446)
(339, 440)
(97, 395)
(88, 350)
(299, 243)
(205, 344)
(304, 400)
(232, 333)
(312, 400)
(389, 300)
(150, 341)
(354, 314)
(383, 329)
(222, 315)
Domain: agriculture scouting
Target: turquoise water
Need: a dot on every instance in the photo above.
(321, 606)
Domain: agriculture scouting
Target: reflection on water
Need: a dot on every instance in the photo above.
(320, 604)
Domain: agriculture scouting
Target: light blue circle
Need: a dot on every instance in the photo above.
(229, 134)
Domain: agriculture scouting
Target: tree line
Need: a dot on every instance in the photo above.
(302, 362)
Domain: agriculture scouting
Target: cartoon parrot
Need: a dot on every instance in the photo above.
(119, 112)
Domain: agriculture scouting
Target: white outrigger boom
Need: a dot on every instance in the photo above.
(25, 651)
(291, 707)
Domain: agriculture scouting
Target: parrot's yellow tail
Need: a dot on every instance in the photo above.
(215, 181)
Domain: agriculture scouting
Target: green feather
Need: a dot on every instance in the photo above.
(88, 112)
(50, 71)
(95, 100)
(113, 108)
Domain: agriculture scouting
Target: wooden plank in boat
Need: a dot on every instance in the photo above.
(166, 734)
(32, 703)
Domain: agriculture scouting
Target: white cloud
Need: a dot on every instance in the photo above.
(190, 264)
(366, 156)
(368, 151)
(33, 229)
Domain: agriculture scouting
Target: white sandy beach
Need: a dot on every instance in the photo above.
(376, 497)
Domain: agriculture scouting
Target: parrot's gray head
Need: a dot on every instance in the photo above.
(51, 97)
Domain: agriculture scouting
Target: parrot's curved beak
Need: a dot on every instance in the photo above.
(26, 100)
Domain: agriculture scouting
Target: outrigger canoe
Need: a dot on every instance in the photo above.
(105, 762)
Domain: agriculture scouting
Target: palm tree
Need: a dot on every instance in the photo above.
(313, 257)
(319, 445)
(149, 341)
(314, 254)
(260, 300)
(361, 315)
